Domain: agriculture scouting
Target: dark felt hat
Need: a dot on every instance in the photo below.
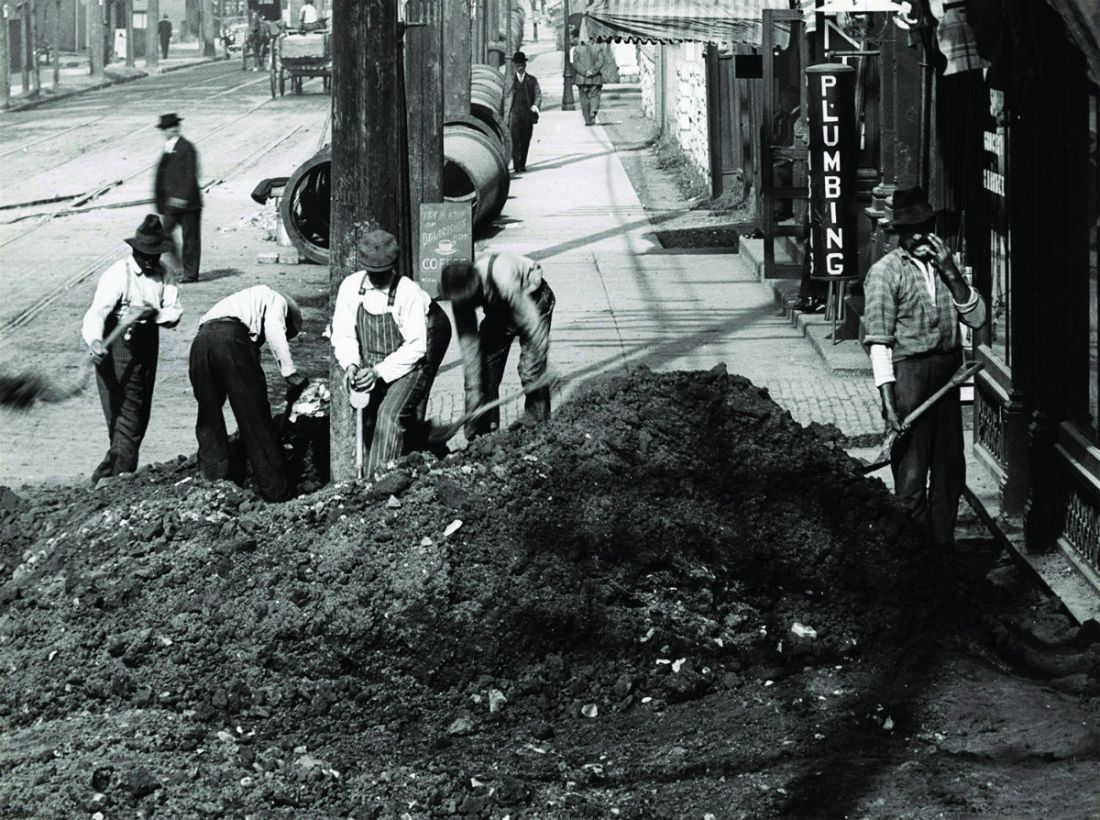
(911, 207)
(150, 237)
(168, 121)
(378, 250)
(519, 57)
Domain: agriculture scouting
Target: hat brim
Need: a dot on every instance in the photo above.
(379, 269)
(143, 245)
(919, 217)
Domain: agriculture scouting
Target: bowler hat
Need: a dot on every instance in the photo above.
(911, 207)
(378, 250)
(150, 237)
(519, 57)
(168, 121)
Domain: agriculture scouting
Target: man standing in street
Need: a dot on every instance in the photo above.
(308, 19)
(389, 336)
(176, 193)
(588, 65)
(521, 108)
(225, 363)
(131, 294)
(915, 298)
(516, 301)
(164, 32)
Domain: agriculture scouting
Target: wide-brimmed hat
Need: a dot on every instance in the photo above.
(150, 237)
(168, 121)
(911, 207)
(519, 57)
(378, 250)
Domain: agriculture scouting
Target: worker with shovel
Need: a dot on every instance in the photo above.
(516, 301)
(225, 363)
(122, 330)
(915, 298)
(389, 337)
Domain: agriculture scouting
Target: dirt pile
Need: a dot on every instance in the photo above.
(455, 638)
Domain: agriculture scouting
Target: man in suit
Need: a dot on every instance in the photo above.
(164, 32)
(588, 66)
(176, 192)
(521, 107)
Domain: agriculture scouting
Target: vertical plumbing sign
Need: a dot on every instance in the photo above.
(833, 157)
(446, 235)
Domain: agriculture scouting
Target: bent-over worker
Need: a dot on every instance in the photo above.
(131, 292)
(915, 298)
(225, 363)
(516, 301)
(389, 337)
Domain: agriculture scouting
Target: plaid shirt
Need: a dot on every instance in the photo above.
(899, 311)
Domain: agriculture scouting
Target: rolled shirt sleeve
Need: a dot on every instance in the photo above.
(109, 290)
(972, 312)
(171, 308)
(275, 332)
(345, 341)
(880, 306)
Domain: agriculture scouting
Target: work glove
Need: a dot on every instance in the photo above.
(296, 384)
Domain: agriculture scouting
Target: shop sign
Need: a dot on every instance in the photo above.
(833, 159)
(446, 236)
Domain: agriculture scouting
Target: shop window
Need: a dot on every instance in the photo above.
(1094, 290)
(995, 181)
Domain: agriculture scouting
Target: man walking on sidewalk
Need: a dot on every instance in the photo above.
(521, 108)
(389, 336)
(915, 298)
(516, 301)
(588, 65)
(177, 196)
(225, 363)
(164, 32)
(131, 293)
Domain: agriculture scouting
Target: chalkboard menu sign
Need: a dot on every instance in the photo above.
(446, 236)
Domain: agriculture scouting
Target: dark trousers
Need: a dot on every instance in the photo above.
(928, 462)
(190, 239)
(495, 336)
(225, 363)
(590, 102)
(521, 129)
(164, 48)
(125, 379)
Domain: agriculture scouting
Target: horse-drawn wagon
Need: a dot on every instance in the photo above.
(297, 56)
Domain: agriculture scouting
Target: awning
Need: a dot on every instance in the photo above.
(677, 21)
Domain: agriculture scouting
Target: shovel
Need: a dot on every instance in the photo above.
(883, 458)
(442, 434)
(358, 399)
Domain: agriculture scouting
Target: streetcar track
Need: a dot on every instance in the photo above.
(47, 138)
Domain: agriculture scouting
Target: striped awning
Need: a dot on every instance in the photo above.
(677, 21)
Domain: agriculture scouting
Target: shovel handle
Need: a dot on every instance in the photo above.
(444, 434)
(961, 375)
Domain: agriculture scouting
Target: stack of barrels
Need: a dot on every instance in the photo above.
(475, 170)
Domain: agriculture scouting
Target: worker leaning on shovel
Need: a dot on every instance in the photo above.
(122, 330)
(915, 298)
(516, 301)
(225, 363)
(389, 337)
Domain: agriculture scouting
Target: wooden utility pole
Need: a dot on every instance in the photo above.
(128, 10)
(55, 38)
(424, 112)
(566, 61)
(152, 38)
(457, 58)
(25, 45)
(5, 59)
(368, 153)
(95, 38)
(208, 33)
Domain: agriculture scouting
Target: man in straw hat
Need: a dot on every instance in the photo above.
(131, 294)
(521, 108)
(915, 298)
(225, 363)
(389, 336)
(177, 196)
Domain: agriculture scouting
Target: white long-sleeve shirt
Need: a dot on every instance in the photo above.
(410, 312)
(124, 285)
(263, 311)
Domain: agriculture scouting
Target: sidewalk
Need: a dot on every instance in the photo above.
(75, 79)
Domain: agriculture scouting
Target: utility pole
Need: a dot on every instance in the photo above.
(566, 62)
(5, 58)
(55, 38)
(368, 153)
(128, 10)
(457, 58)
(95, 38)
(152, 39)
(208, 34)
(424, 114)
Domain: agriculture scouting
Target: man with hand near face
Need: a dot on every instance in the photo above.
(915, 298)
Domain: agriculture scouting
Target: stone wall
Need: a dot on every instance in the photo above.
(682, 102)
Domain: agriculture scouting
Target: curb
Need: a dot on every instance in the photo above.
(27, 104)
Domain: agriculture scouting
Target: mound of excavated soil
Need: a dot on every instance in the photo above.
(672, 565)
